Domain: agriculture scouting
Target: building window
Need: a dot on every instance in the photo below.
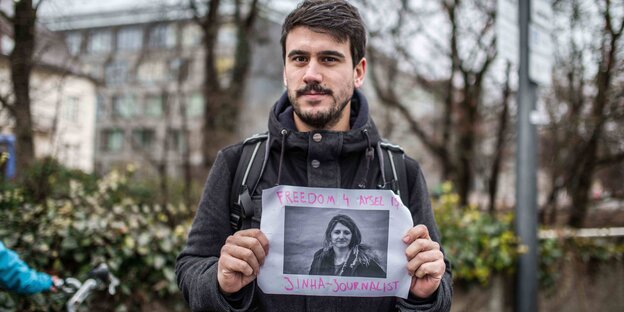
(162, 36)
(116, 73)
(73, 41)
(195, 105)
(191, 35)
(178, 69)
(112, 140)
(129, 39)
(101, 111)
(154, 106)
(176, 141)
(71, 109)
(143, 139)
(151, 72)
(100, 41)
(125, 106)
(227, 40)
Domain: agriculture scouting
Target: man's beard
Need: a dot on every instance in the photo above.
(320, 119)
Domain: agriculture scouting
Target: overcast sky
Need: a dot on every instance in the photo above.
(70, 7)
(53, 8)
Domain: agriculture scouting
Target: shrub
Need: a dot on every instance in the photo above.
(555, 252)
(47, 178)
(76, 221)
(78, 225)
(480, 245)
(476, 243)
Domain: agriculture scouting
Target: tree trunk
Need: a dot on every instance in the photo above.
(219, 124)
(162, 164)
(466, 130)
(500, 144)
(455, 139)
(581, 184)
(186, 144)
(21, 68)
(449, 100)
(223, 104)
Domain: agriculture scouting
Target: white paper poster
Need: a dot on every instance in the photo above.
(334, 242)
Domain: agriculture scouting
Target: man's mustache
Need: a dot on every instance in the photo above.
(313, 88)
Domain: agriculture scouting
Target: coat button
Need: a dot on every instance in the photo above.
(316, 163)
(317, 137)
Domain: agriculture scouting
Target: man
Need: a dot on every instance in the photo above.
(16, 276)
(321, 135)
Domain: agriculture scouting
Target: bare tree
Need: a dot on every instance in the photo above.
(21, 64)
(500, 143)
(164, 159)
(463, 58)
(586, 112)
(223, 91)
(186, 149)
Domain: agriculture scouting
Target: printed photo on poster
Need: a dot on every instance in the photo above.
(336, 242)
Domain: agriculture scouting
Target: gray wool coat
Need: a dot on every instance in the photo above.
(344, 163)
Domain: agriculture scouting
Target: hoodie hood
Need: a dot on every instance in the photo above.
(324, 158)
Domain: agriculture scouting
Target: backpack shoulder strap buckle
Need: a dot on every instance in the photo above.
(393, 170)
(251, 165)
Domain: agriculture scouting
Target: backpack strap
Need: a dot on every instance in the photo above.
(250, 168)
(393, 170)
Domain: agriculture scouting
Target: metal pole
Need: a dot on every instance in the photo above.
(526, 202)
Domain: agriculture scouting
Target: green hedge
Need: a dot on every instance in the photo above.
(79, 224)
(65, 222)
(480, 245)
(476, 243)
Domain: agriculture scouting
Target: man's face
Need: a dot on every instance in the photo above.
(320, 79)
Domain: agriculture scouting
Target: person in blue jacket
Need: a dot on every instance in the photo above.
(16, 276)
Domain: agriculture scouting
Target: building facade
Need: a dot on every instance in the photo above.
(150, 62)
(63, 100)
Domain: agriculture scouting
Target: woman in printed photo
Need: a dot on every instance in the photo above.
(343, 253)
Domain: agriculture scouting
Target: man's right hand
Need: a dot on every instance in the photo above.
(240, 260)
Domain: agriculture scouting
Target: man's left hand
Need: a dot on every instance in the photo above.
(425, 261)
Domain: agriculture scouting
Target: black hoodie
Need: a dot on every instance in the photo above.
(319, 158)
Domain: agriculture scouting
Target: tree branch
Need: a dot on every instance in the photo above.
(6, 103)
(253, 12)
(237, 12)
(6, 16)
(196, 15)
(38, 4)
(419, 78)
(479, 46)
(609, 23)
(389, 98)
(491, 55)
(212, 16)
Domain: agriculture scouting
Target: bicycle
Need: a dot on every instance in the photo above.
(99, 278)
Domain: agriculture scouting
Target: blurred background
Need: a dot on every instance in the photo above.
(111, 115)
